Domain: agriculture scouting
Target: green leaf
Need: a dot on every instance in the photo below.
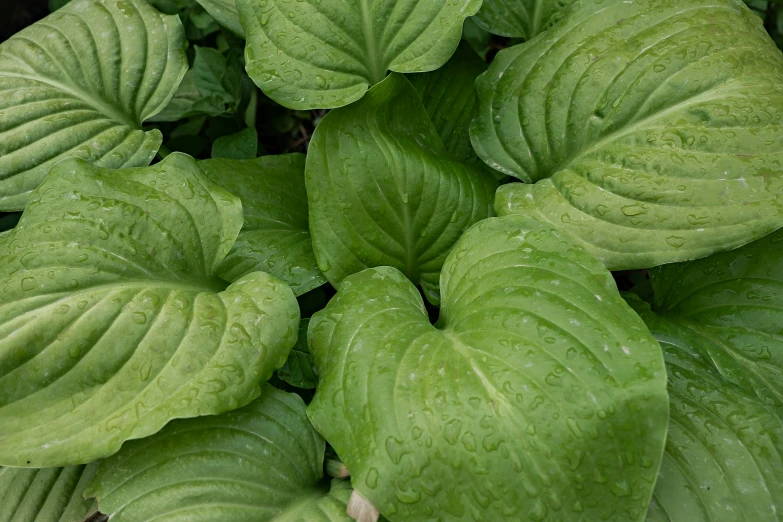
(276, 236)
(449, 98)
(79, 83)
(660, 136)
(242, 145)
(45, 495)
(538, 394)
(734, 301)
(112, 320)
(724, 450)
(314, 54)
(384, 192)
(212, 87)
(261, 463)
(225, 12)
(299, 369)
(520, 18)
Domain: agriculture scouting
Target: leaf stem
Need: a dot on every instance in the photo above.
(252, 109)
(163, 151)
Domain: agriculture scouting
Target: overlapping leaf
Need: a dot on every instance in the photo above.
(324, 54)
(520, 18)
(112, 321)
(225, 12)
(538, 394)
(262, 463)
(724, 450)
(734, 302)
(383, 191)
(653, 132)
(45, 495)
(275, 237)
(79, 83)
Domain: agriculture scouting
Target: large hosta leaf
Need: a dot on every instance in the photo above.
(660, 137)
(449, 98)
(383, 190)
(734, 302)
(326, 53)
(520, 18)
(275, 237)
(45, 495)
(225, 12)
(259, 463)
(538, 394)
(112, 321)
(79, 83)
(724, 451)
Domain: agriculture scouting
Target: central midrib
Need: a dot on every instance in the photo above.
(374, 64)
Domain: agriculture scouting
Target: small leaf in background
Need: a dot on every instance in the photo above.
(299, 369)
(53, 106)
(320, 55)
(652, 134)
(383, 191)
(45, 495)
(734, 300)
(477, 37)
(225, 12)
(538, 394)
(211, 87)
(724, 450)
(262, 463)
(240, 146)
(54, 5)
(520, 18)
(275, 237)
(113, 320)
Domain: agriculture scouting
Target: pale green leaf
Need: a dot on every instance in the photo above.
(242, 145)
(653, 132)
(79, 83)
(538, 394)
(724, 450)
(449, 98)
(225, 12)
(112, 319)
(327, 53)
(734, 301)
(520, 18)
(257, 463)
(276, 236)
(45, 495)
(383, 191)
(213, 86)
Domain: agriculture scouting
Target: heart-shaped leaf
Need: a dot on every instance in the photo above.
(79, 83)
(539, 393)
(734, 302)
(384, 192)
(262, 463)
(327, 53)
(112, 321)
(225, 12)
(45, 495)
(520, 18)
(724, 451)
(276, 236)
(659, 137)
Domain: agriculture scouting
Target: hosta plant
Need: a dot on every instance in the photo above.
(397, 260)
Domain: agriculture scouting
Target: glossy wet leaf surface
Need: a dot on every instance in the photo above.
(324, 54)
(112, 318)
(538, 394)
(383, 191)
(724, 451)
(45, 495)
(653, 133)
(275, 237)
(79, 83)
(262, 463)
